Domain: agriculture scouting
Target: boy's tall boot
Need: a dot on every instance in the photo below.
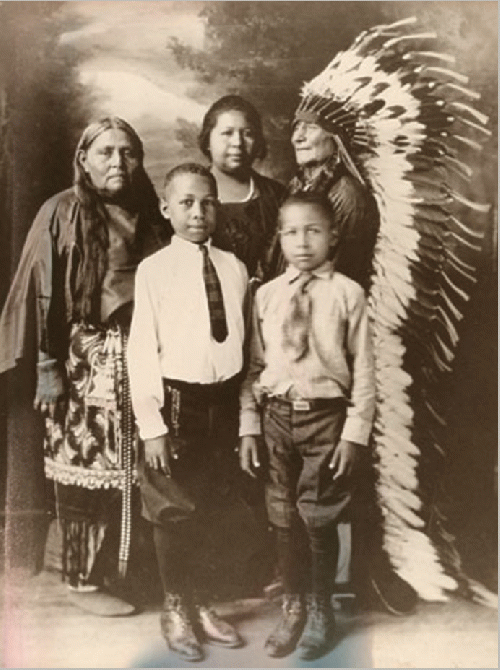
(177, 629)
(320, 627)
(176, 619)
(292, 555)
(283, 640)
(211, 628)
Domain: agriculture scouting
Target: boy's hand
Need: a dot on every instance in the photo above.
(157, 453)
(249, 454)
(345, 458)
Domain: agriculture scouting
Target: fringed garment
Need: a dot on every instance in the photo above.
(89, 448)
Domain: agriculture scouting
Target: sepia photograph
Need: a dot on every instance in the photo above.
(248, 333)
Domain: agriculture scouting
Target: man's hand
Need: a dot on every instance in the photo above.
(249, 454)
(345, 458)
(157, 453)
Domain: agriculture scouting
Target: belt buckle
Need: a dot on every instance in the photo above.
(301, 405)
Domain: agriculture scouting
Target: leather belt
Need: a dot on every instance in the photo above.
(306, 405)
(212, 393)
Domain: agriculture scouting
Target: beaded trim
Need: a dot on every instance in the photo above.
(127, 438)
(175, 409)
(89, 479)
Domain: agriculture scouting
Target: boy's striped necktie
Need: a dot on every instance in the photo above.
(297, 322)
(216, 310)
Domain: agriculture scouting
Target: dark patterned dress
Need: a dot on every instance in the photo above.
(248, 229)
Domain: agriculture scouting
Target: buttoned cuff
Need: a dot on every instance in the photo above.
(152, 427)
(250, 423)
(357, 430)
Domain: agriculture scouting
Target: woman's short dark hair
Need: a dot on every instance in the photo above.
(230, 103)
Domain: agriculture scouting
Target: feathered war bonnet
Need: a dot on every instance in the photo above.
(333, 116)
(384, 97)
(404, 126)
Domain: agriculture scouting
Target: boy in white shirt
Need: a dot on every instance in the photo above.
(310, 393)
(185, 356)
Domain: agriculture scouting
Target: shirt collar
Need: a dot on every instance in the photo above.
(189, 247)
(325, 271)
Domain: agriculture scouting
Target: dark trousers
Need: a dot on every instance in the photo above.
(300, 447)
(304, 502)
(203, 527)
(202, 420)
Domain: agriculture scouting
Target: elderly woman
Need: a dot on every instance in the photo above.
(232, 139)
(80, 256)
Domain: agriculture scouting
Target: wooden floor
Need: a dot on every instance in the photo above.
(41, 628)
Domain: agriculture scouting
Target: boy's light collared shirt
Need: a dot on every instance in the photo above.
(339, 362)
(170, 330)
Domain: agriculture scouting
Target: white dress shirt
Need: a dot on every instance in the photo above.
(339, 361)
(170, 331)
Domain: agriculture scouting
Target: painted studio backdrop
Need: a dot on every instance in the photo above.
(159, 65)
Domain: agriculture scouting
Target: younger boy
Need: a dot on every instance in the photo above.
(311, 369)
(185, 358)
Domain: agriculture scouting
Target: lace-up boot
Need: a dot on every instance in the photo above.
(215, 630)
(177, 629)
(319, 629)
(285, 636)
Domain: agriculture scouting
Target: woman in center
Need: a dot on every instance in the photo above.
(232, 139)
